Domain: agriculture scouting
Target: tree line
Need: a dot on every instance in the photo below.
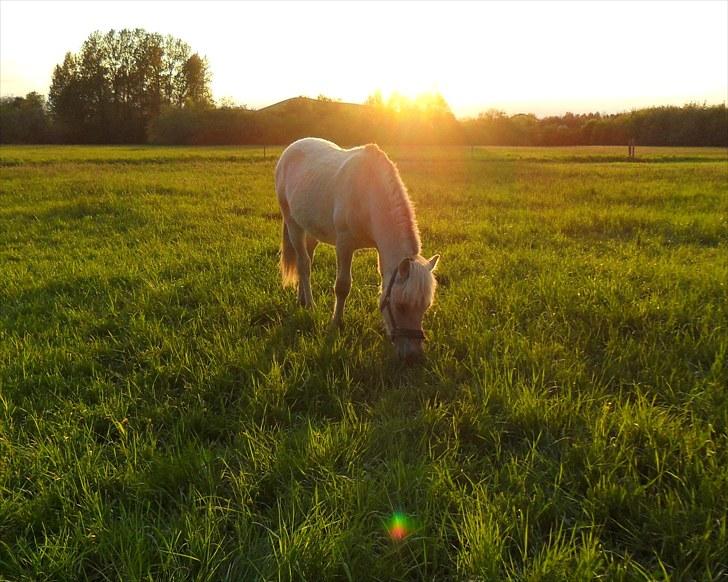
(690, 125)
(427, 122)
(132, 86)
(348, 124)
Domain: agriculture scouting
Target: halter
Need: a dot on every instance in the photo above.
(396, 332)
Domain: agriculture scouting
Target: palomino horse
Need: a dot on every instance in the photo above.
(355, 199)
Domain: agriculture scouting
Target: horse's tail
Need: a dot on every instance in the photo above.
(289, 271)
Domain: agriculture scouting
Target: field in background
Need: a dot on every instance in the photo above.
(167, 412)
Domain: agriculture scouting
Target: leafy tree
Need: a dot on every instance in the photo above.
(375, 99)
(119, 83)
(65, 98)
(196, 89)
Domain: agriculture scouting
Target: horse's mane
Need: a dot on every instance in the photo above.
(400, 204)
(420, 286)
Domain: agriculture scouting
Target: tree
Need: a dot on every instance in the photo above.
(119, 83)
(375, 99)
(65, 101)
(196, 90)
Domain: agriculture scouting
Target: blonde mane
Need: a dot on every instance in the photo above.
(420, 286)
(400, 205)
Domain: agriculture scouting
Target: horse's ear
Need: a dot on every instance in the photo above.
(432, 262)
(404, 269)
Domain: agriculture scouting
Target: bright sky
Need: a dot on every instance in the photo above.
(539, 57)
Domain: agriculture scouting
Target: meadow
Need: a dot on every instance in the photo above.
(167, 412)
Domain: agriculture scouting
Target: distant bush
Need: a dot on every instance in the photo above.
(202, 126)
(690, 125)
(24, 119)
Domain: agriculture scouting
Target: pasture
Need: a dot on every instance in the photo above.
(167, 411)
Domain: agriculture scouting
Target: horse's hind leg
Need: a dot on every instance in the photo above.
(297, 237)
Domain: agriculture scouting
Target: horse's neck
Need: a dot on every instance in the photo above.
(393, 227)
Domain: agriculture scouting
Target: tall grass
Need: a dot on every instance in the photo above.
(168, 412)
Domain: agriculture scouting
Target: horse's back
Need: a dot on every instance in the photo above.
(310, 182)
(310, 157)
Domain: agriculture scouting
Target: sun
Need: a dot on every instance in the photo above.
(425, 101)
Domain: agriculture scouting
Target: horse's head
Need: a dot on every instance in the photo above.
(409, 293)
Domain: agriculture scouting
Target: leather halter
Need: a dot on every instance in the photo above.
(396, 331)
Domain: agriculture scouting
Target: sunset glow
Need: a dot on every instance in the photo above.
(545, 57)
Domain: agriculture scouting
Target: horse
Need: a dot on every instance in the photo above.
(355, 199)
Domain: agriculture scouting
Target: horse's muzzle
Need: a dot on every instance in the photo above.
(410, 351)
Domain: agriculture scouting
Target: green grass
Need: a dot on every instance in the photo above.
(167, 412)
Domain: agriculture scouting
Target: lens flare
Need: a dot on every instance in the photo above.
(398, 526)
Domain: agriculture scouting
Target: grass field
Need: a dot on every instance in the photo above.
(168, 413)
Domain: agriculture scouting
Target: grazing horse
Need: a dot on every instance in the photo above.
(355, 199)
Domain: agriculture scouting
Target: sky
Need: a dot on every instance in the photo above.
(521, 57)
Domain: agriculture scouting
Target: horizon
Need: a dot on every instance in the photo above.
(565, 65)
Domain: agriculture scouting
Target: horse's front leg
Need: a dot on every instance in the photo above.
(344, 254)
